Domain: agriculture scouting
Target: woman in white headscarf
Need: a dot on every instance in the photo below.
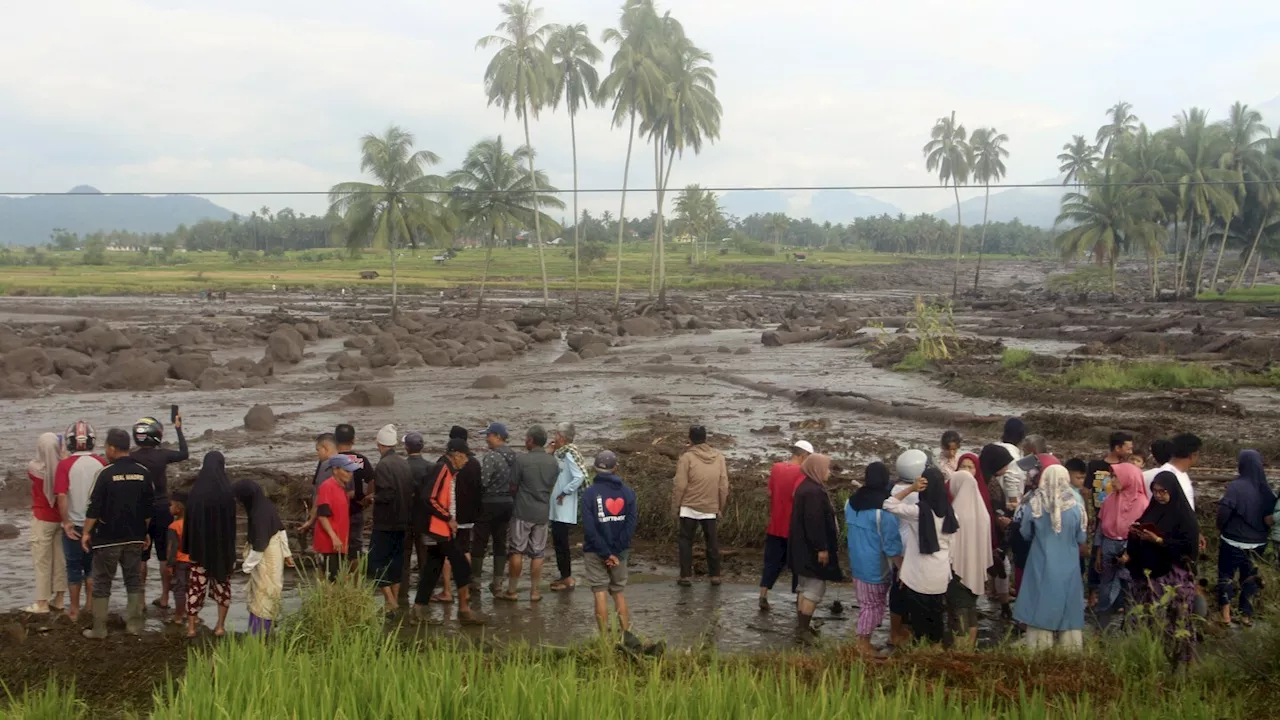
(971, 555)
(1051, 602)
(46, 528)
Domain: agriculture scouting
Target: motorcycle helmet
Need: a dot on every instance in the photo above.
(79, 437)
(148, 432)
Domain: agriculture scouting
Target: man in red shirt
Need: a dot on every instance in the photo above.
(783, 479)
(333, 513)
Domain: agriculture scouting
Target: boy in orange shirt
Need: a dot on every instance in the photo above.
(179, 562)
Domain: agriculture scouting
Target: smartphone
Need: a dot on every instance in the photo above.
(173, 413)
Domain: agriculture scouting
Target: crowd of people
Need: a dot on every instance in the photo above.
(1043, 538)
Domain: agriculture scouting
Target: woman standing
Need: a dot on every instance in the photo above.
(971, 555)
(1162, 551)
(1123, 507)
(209, 538)
(1052, 597)
(268, 548)
(1242, 520)
(814, 545)
(874, 545)
(46, 528)
(993, 463)
(927, 534)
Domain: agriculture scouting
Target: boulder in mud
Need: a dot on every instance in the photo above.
(411, 359)
(132, 373)
(358, 342)
(260, 418)
(283, 348)
(28, 360)
(641, 327)
(437, 358)
(8, 531)
(370, 396)
(189, 366)
(489, 382)
(465, 359)
(355, 375)
(543, 335)
(215, 378)
(101, 339)
(66, 360)
(744, 350)
(724, 350)
(189, 336)
(663, 358)
(568, 358)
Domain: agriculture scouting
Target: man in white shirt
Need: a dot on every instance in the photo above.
(1014, 479)
(1161, 454)
(72, 483)
(1186, 452)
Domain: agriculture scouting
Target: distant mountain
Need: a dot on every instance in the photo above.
(744, 203)
(30, 220)
(1271, 112)
(1033, 206)
(843, 206)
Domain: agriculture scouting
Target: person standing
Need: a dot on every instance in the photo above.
(264, 563)
(1161, 454)
(910, 466)
(949, 457)
(1186, 453)
(333, 513)
(1051, 601)
(565, 499)
(344, 438)
(46, 526)
(1162, 551)
(928, 530)
(1014, 479)
(209, 539)
(814, 543)
(72, 483)
(875, 548)
(1122, 508)
(148, 434)
(178, 561)
(994, 462)
(116, 527)
(465, 498)
(421, 471)
(1243, 515)
(971, 556)
(442, 527)
(392, 497)
(535, 479)
(783, 479)
(1120, 447)
(497, 471)
(699, 496)
(608, 523)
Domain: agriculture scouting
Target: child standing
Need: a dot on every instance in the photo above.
(609, 522)
(179, 562)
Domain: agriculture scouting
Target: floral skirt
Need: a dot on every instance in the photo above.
(1169, 602)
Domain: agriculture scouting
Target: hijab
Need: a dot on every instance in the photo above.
(971, 547)
(984, 491)
(817, 467)
(46, 463)
(1248, 495)
(1176, 524)
(264, 521)
(1054, 497)
(1126, 502)
(875, 489)
(993, 459)
(935, 503)
(209, 533)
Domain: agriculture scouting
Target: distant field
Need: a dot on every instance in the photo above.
(517, 268)
(1259, 294)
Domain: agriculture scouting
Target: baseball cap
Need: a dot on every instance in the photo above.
(804, 445)
(413, 442)
(387, 436)
(496, 429)
(343, 462)
(606, 460)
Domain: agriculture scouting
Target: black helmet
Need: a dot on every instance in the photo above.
(148, 432)
(79, 437)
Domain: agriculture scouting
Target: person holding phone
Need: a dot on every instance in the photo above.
(148, 434)
(1163, 546)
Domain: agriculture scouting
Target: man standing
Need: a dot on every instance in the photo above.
(148, 434)
(783, 479)
(497, 471)
(700, 493)
(1186, 453)
(465, 508)
(392, 495)
(442, 527)
(421, 471)
(565, 500)
(333, 513)
(1014, 480)
(1121, 447)
(535, 479)
(116, 530)
(608, 524)
(72, 483)
(344, 437)
(1161, 454)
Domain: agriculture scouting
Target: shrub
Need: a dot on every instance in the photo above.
(1013, 358)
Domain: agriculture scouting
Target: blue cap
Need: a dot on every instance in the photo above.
(343, 462)
(497, 429)
(413, 442)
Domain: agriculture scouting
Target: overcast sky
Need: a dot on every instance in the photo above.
(188, 95)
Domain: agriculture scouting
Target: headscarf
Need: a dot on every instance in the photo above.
(817, 467)
(985, 491)
(993, 459)
(1015, 431)
(977, 466)
(1055, 496)
(46, 463)
(1176, 524)
(264, 521)
(1125, 504)
(971, 547)
(1248, 495)
(876, 488)
(935, 503)
(209, 533)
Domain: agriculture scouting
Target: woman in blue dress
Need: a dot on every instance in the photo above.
(1051, 602)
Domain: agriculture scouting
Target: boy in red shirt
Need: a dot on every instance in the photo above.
(783, 479)
(333, 514)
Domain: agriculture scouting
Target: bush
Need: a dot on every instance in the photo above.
(1146, 376)
(1013, 358)
(755, 247)
(591, 253)
(915, 360)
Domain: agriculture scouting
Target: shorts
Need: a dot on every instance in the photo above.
(897, 600)
(527, 538)
(159, 532)
(811, 589)
(601, 577)
(462, 537)
(959, 596)
(79, 562)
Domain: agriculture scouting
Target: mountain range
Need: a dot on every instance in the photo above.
(30, 220)
(834, 206)
(1031, 205)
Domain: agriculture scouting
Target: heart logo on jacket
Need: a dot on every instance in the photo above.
(614, 505)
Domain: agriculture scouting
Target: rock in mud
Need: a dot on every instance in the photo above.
(593, 351)
(641, 327)
(218, 379)
(8, 531)
(663, 358)
(489, 382)
(411, 359)
(28, 360)
(355, 375)
(260, 418)
(437, 358)
(282, 348)
(66, 360)
(132, 373)
(189, 366)
(724, 350)
(100, 339)
(568, 358)
(744, 350)
(543, 335)
(189, 336)
(370, 396)
(466, 359)
(359, 342)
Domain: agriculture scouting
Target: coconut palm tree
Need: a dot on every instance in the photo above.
(494, 194)
(988, 164)
(1122, 125)
(948, 154)
(520, 78)
(577, 84)
(1246, 137)
(1198, 147)
(1262, 203)
(777, 225)
(1145, 157)
(1106, 218)
(401, 201)
(1079, 158)
(698, 213)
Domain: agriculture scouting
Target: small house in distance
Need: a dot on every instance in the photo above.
(368, 274)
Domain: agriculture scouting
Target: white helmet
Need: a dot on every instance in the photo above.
(911, 465)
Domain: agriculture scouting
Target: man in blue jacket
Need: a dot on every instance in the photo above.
(608, 522)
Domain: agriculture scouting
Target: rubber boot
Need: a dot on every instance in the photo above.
(134, 622)
(99, 629)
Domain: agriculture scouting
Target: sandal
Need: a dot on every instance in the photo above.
(35, 609)
(564, 585)
(159, 604)
(506, 597)
(441, 598)
(535, 598)
(1245, 620)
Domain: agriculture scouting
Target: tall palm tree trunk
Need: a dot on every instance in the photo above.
(391, 240)
(577, 221)
(653, 249)
(982, 244)
(1204, 248)
(1226, 232)
(1249, 258)
(1256, 268)
(537, 214)
(622, 217)
(662, 245)
(484, 277)
(955, 278)
(1176, 256)
(1186, 255)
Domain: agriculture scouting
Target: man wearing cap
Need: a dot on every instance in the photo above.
(333, 513)
(783, 479)
(608, 524)
(535, 479)
(699, 496)
(442, 527)
(497, 475)
(465, 508)
(421, 471)
(392, 494)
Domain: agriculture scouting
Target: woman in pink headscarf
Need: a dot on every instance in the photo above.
(1121, 509)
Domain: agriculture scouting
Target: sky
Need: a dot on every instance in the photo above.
(242, 95)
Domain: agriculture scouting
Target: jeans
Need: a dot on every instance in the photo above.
(105, 561)
(775, 559)
(491, 526)
(688, 526)
(1233, 560)
(564, 556)
(444, 549)
(79, 562)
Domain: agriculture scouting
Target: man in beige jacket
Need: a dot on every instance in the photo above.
(701, 491)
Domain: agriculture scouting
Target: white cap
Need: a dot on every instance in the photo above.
(803, 445)
(911, 465)
(388, 437)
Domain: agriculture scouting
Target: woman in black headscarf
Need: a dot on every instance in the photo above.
(268, 548)
(993, 462)
(926, 528)
(209, 539)
(1163, 547)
